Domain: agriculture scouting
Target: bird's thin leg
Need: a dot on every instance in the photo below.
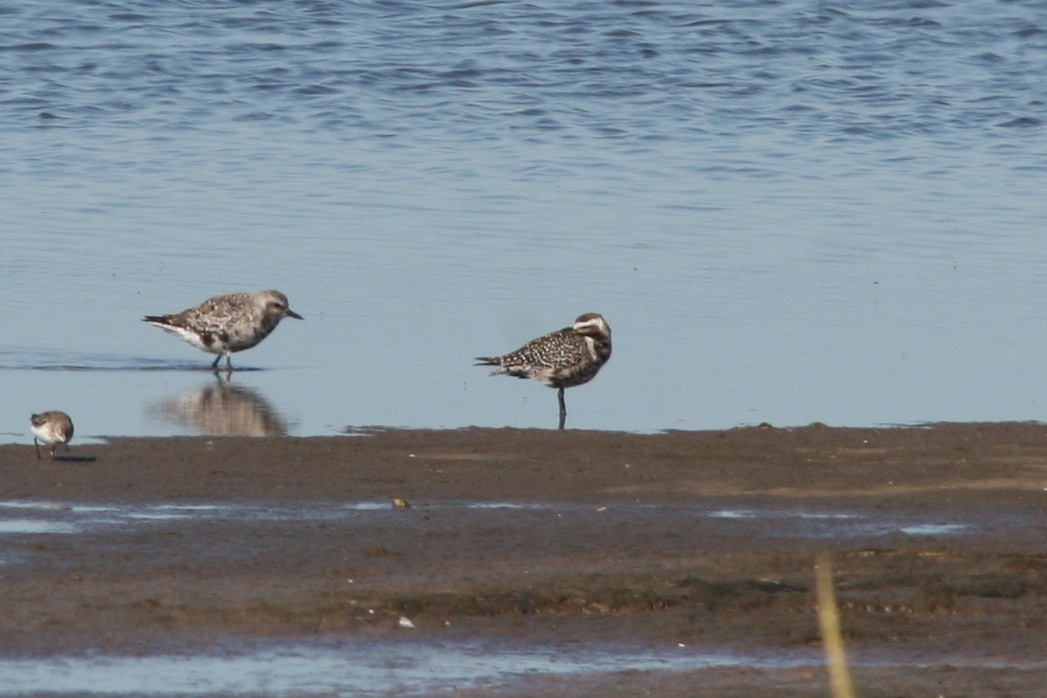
(228, 363)
(563, 408)
(216, 360)
(37, 444)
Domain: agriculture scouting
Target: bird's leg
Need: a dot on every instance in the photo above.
(216, 360)
(228, 363)
(563, 408)
(37, 444)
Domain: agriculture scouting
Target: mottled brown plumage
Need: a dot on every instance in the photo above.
(226, 324)
(52, 428)
(562, 359)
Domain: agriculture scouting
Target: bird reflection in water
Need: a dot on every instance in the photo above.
(224, 409)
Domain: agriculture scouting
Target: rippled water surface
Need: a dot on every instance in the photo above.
(788, 212)
(404, 668)
(353, 669)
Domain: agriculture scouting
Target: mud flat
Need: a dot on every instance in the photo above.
(540, 563)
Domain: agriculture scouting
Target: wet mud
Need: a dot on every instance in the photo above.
(702, 540)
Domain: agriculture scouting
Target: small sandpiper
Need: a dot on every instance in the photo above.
(52, 428)
(226, 324)
(562, 359)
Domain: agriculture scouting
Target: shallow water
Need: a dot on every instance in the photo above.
(788, 212)
(32, 517)
(351, 669)
(406, 668)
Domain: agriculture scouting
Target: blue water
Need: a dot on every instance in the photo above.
(787, 211)
(351, 669)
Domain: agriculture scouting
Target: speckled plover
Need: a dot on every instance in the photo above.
(562, 359)
(226, 324)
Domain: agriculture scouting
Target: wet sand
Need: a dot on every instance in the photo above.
(699, 540)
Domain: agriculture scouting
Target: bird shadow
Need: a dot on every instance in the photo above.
(75, 459)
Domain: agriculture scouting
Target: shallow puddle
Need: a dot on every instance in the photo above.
(50, 517)
(408, 668)
(806, 524)
(350, 669)
(8, 526)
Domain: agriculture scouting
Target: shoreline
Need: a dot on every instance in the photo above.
(701, 539)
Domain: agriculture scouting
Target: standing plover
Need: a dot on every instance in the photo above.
(226, 324)
(52, 428)
(561, 359)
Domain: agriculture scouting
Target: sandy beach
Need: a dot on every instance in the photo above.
(679, 540)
